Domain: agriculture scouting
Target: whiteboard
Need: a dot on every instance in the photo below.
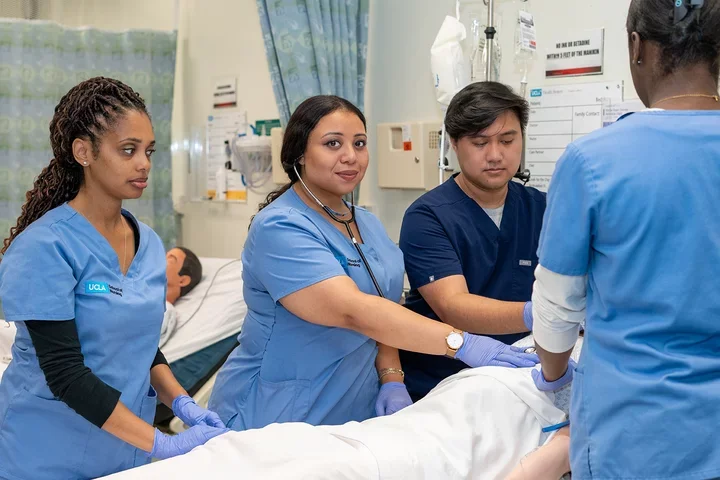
(559, 115)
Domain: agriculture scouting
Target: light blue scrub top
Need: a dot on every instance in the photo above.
(635, 207)
(61, 268)
(287, 369)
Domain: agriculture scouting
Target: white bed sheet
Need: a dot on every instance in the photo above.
(7, 337)
(200, 323)
(477, 424)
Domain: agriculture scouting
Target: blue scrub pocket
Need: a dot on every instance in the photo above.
(523, 277)
(579, 457)
(280, 402)
(36, 426)
(147, 413)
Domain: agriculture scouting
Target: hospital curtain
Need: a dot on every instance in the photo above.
(39, 63)
(315, 47)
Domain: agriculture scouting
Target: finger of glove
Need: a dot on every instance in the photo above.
(395, 407)
(380, 407)
(498, 362)
(213, 419)
(516, 360)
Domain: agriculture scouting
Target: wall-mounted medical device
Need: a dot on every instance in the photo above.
(407, 155)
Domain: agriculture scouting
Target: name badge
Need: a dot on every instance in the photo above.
(526, 263)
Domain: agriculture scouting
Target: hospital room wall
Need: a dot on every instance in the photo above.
(400, 86)
(216, 38)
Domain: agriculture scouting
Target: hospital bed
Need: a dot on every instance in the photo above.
(209, 320)
(477, 424)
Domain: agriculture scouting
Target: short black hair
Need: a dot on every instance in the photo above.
(477, 106)
(192, 268)
(693, 40)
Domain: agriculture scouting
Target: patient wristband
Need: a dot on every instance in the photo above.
(390, 371)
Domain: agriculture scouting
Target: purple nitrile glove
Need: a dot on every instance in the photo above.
(392, 398)
(167, 446)
(481, 351)
(193, 414)
(545, 386)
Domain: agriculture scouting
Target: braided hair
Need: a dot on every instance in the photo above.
(87, 111)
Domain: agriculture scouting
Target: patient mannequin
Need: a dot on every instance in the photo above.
(184, 272)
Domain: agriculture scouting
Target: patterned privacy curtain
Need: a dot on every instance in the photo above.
(315, 47)
(39, 63)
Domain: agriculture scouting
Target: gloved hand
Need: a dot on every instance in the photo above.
(392, 398)
(481, 351)
(166, 446)
(527, 316)
(545, 386)
(192, 414)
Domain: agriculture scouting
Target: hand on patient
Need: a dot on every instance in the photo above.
(545, 386)
(392, 398)
(167, 446)
(192, 414)
(480, 351)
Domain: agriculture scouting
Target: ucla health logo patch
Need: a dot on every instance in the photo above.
(536, 92)
(96, 287)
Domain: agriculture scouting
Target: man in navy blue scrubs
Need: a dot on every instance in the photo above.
(470, 244)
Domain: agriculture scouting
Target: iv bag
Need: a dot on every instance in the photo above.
(525, 45)
(449, 68)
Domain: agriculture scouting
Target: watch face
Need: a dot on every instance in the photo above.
(455, 340)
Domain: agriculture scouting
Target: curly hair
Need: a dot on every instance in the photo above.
(87, 111)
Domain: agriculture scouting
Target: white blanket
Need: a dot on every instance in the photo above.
(7, 337)
(170, 321)
(477, 424)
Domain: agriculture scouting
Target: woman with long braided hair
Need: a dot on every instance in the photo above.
(84, 282)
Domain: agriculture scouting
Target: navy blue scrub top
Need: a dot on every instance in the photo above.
(444, 233)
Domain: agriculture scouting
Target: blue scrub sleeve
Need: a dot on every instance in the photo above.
(568, 225)
(290, 253)
(37, 279)
(429, 255)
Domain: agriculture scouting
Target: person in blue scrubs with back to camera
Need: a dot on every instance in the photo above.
(470, 244)
(631, 245)
(85, 283)
(319, 339)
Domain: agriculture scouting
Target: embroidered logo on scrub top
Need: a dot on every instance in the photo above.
(347, 262)
(102, 288)
(97, 287)
(526, 263)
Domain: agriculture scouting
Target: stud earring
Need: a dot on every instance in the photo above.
(639, 62)
(85, 163)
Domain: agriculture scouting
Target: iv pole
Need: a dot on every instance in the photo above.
(443, 164)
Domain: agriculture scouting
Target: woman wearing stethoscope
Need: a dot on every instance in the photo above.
(85, 282)
(319, 338)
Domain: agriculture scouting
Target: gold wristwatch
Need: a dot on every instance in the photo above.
(453, 342)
